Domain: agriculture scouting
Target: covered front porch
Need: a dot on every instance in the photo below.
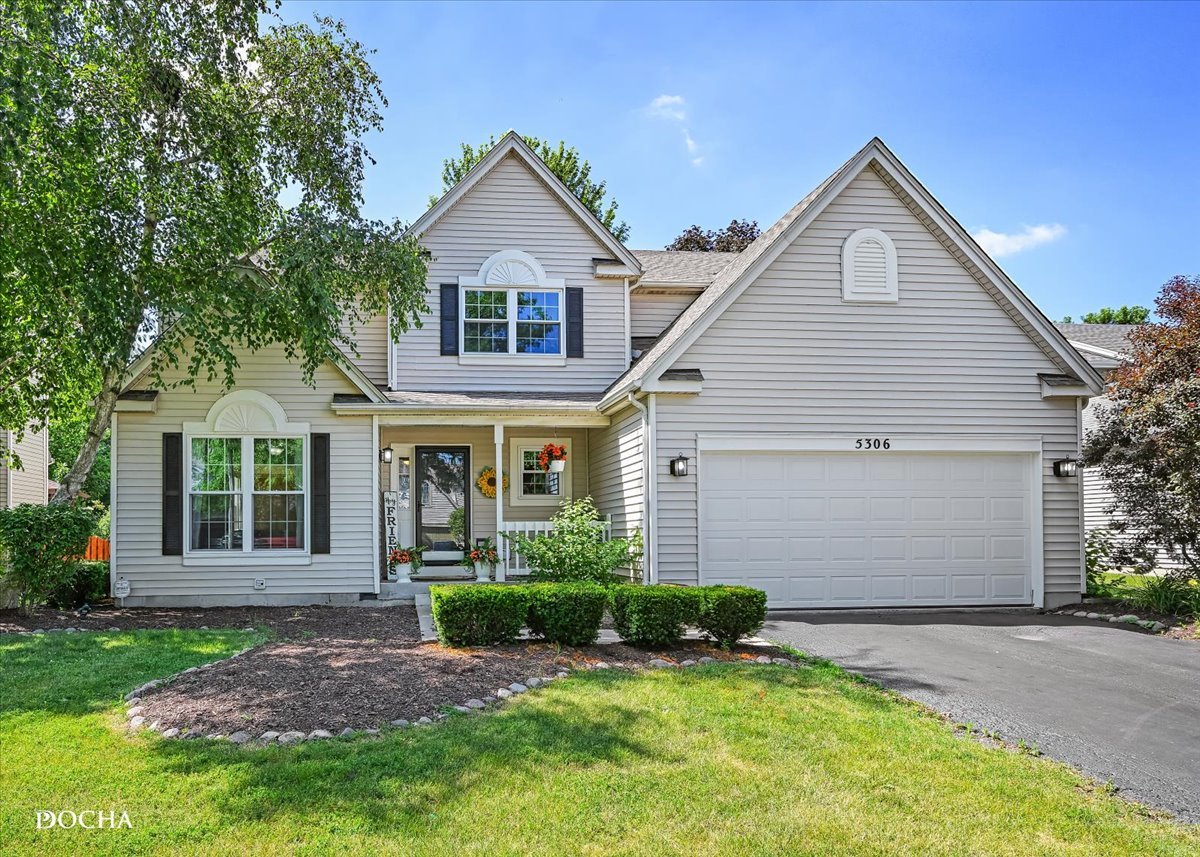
(456, 470)
(451, 487)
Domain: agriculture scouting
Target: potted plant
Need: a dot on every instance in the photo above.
(553, 458)
(402, 562)
(482, 559)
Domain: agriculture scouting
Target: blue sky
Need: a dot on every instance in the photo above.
(1068, 131)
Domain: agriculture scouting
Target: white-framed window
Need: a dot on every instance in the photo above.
(869, 268)
(247, 483)
(512, 309)
(229, 512)
(532, 486)
(512, 321)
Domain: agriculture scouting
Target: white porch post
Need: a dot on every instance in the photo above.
(502, 565)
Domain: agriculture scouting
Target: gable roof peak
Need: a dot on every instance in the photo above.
(742, 271)
(513, 144)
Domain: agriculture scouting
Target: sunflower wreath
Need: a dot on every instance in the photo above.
(486, 483)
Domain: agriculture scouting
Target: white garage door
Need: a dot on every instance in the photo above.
(819, 529)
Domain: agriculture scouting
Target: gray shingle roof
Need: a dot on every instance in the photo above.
(1114, 337)
(689, 267)
(516, 400)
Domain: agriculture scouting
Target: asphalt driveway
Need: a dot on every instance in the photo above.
(1120, 705)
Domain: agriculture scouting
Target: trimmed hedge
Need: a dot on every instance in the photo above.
(478, 615)
(654, 615)
(566, 613)
(728, 613)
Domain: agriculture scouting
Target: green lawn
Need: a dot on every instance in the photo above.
(715, 760)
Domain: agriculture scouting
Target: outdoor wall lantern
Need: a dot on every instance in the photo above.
(385, 455)
(679, 465)
(1066, 467)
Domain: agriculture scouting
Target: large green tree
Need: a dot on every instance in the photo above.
(1147, 439)
(1120, 315)
(148, 149)
(563, 160)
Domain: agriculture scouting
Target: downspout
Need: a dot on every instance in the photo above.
(628, 327)
(1082, 403)
(649, 491)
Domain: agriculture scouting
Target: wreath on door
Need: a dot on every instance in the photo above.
(486, 483)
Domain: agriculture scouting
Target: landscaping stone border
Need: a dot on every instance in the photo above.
(1123, 618)
(134, 710)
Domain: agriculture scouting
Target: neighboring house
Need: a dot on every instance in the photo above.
(860, 409)
(30, 482)
(1106, 347)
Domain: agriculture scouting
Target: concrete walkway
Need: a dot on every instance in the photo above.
(1119, 704)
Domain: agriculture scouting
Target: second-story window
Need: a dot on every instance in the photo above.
(512, 321)
(512, 307)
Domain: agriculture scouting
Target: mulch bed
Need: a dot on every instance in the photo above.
(284, 623)
(337, 667)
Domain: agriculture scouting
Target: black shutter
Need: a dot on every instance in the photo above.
(449, 320)
(172, 494)
(320, 493)
(574, 321)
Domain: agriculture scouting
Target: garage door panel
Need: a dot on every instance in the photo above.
(829, 529)
(848, 588)
(808, 589)
(807, 549)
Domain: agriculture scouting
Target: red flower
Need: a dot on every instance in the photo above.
(551, 452)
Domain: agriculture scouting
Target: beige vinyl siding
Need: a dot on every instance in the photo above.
(3, 469)
(29, 483)
(483, 454)
(347, 569)
(651, 313)
(372, 342)
(510, 209)
(790, 357)
(616, 456)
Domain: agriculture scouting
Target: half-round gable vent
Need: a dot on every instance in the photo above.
(869, 267)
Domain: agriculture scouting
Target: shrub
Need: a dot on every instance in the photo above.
(654, 615)
(566, 613)
(87, 585)
(577, 549)
(728, 613)
(1165, 594)
(43, 544)
(474, 615)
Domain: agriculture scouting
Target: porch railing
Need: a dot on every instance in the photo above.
(511, 559)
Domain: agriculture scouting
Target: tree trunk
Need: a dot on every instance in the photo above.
(106, 402)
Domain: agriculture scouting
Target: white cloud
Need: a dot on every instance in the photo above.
(668, 107)
(673, 108)
(999, 244)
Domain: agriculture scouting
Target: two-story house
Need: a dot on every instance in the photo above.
(860, 409)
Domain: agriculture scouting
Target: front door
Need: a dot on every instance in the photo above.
(443, 502)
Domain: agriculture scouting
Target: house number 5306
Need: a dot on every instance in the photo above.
(873, 443)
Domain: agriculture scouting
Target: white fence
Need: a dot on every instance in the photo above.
(511, 560)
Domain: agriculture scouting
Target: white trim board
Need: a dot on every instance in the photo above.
(898, 443)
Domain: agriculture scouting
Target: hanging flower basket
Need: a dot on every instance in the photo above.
(486, 483)
(552, 458)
